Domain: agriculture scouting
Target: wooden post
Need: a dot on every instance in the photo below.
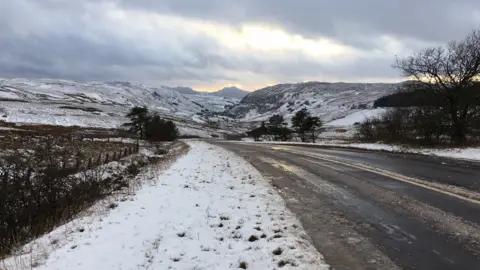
(4, 182)
(106, 159)
(114, 155)
(29, 173)
(125, 152)
(99, 159)
(89, 163)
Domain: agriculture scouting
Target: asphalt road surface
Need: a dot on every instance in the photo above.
(374, 210)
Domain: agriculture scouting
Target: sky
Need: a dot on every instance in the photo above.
(210, 44)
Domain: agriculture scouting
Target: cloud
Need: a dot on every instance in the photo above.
(212, 43)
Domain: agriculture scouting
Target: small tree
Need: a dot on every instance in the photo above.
(311, 124)
(449, 72)
(256, 133)
(298, 123)
(278, 128)
(138, 119)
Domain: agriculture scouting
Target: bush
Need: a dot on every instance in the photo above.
(35, 197)
(416, 125)
(367, 130)
(158, 129)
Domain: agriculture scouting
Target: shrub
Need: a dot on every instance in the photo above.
(158, 129)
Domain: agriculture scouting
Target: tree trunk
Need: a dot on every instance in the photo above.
(458, 125)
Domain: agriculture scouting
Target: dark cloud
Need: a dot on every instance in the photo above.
(117, 40)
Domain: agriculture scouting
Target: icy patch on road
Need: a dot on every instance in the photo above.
(210, 210)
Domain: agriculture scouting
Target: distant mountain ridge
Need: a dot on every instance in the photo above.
(185, 90)
(231, 92)
(329, 101)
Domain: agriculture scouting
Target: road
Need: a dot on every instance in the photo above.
(375, 210)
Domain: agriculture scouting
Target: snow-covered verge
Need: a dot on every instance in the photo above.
(210, 210)
(458, 153)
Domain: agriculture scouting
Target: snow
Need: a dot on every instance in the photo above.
(8, 95)
(199, 214)
(198, 119)
(468, 153)
(356, 117)
(329, 101)
(115, 94)
(52, 114)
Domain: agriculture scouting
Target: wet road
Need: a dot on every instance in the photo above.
(374, 210)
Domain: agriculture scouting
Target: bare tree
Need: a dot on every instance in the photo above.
(448, 71)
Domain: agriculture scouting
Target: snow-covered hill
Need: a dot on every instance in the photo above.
(60, 102)
(329, 101)
(110, 93)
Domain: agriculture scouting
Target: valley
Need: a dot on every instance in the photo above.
(104, 105)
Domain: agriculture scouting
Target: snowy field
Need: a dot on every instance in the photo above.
(210, 210)
(357, 117)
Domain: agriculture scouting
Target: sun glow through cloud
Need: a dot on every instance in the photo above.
(268, 39)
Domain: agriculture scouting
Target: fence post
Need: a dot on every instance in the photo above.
(99, 159)
(89, 163)
(29, 174)
(114, 155)
(106, 159)
(125, 151)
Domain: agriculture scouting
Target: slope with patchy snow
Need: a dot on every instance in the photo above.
(69, 103)
(329, 101)
(210, 210)
(110, 93)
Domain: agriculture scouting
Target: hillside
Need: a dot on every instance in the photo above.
(426, 97)
(68, 103)
(231, 93)
(329, 101)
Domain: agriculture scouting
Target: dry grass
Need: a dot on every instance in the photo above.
(50, 173)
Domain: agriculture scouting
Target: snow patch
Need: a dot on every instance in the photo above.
(357, 117)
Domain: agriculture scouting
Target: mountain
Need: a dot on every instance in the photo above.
(231, 92)
(109, 93)
(329, 101)
(185, 90)
(104, 104)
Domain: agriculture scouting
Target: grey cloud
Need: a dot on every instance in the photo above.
(429, 20)
(71, 39)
